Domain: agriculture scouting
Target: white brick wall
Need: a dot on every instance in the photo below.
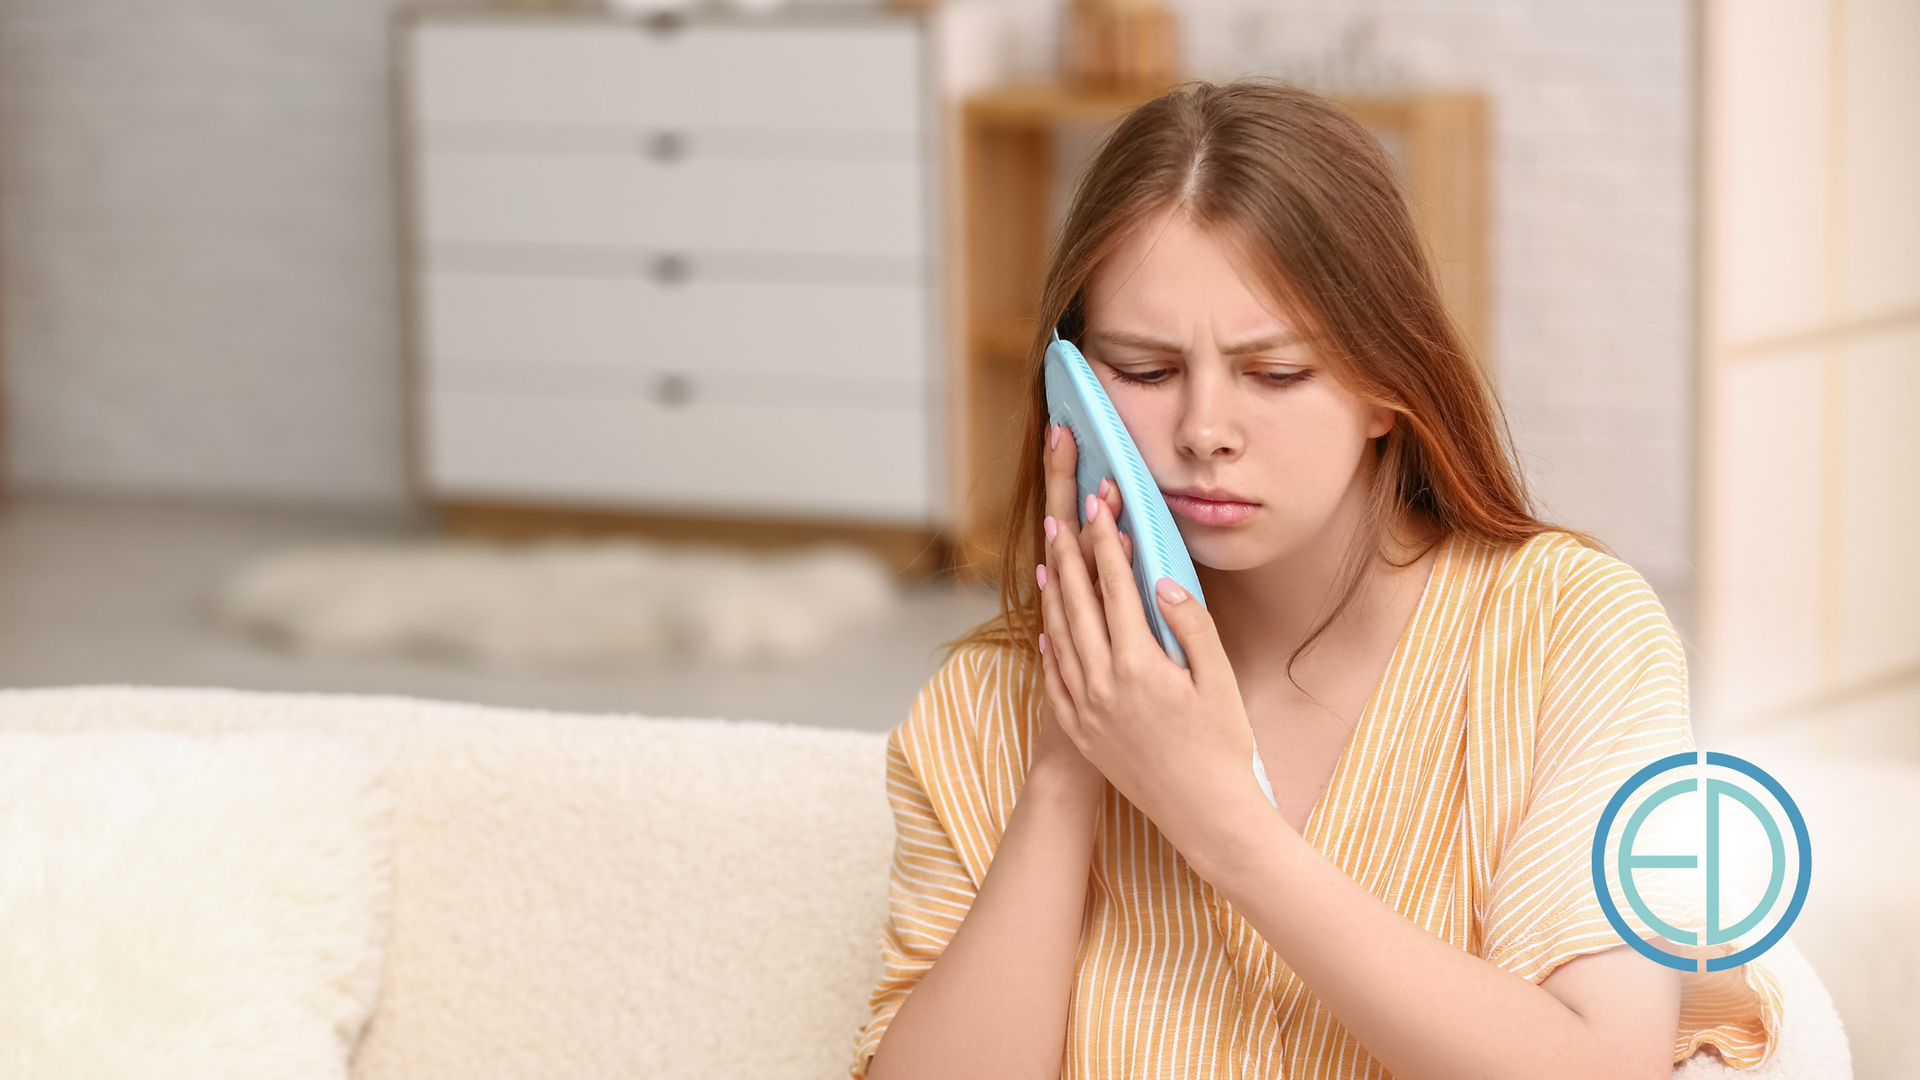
(198, 270)
(196, 255)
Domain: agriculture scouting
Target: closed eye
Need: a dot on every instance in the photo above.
(1142, 378)
(1284, 378)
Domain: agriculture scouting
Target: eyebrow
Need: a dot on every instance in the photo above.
(1241, 348)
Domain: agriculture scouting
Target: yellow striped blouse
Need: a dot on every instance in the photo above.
(1529, 684)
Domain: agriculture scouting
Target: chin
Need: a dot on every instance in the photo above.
(1225, 553)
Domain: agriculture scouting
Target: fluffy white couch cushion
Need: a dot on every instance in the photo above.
(592, 897)
(187, 906)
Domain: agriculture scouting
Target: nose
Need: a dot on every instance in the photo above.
(1209, 430)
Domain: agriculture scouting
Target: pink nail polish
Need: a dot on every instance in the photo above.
(1045, 645)
(1051, 527)
(1171, 593)
(1040, 575)
(1105, 486)
(1053, 436)
(1093, 507)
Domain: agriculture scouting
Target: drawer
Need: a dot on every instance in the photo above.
(685, 388)
(634, 324)
(634, 452)
(860, 76)
(852, 207)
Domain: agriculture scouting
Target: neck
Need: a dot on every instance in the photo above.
(1270, 610)
(1266, 613)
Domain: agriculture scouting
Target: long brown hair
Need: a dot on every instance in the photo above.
(1313, 203)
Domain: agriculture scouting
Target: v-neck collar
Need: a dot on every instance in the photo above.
(1332, 804)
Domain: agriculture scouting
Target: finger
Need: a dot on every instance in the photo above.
(1193, 628)
(1126, 618)
(1109, 493)
(1084, 617)
(1059, 698)
(1060, 639)
(1061, 456)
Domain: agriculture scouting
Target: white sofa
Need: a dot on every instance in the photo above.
(592, 897)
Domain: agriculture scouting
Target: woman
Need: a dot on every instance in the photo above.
(1444, 690)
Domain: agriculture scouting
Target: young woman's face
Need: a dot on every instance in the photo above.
(1257, 447)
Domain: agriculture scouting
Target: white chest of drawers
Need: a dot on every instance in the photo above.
(685, 266)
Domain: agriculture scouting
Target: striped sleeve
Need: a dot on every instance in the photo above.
(948, 797)
(929, 893)
(1612, 697)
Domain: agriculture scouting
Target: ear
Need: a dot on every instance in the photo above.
(1380, 421)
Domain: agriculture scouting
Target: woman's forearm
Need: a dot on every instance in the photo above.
(995, 1004)
(1425, 1009)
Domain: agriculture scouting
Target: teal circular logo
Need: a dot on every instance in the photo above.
(1714, 789)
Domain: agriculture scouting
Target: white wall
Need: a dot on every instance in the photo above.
(198, 278)
(1811, 478)
(196, 253)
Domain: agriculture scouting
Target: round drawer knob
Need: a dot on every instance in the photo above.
(673, 390)
(667, 146)
(672, 269)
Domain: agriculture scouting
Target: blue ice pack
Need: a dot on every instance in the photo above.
(1076, 399)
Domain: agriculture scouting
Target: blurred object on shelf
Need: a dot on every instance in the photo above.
(1007, 168)
(1117, 45)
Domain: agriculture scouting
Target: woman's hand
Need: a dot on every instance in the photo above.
(1173, 740)
(1055, 757)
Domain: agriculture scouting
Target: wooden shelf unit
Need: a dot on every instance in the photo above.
(1006, 170)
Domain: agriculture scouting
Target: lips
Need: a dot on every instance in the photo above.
(1210, 508)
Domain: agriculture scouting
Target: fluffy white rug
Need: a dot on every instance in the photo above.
(188, 906)
(572, 604)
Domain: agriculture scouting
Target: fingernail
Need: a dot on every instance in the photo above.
(1171, 593)
(1045, 645)
(1053, 436)
(1105, 486)
(1093, 507)
(1051, 526)
(1040, 574)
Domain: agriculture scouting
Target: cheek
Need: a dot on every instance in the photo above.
(1152, 420)
(1312, 451)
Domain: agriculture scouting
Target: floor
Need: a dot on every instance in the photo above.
(94, 592)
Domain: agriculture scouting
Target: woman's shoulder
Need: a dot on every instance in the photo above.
(1566, 576)
(980, 705)
(964, 744)
(1582, 603)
